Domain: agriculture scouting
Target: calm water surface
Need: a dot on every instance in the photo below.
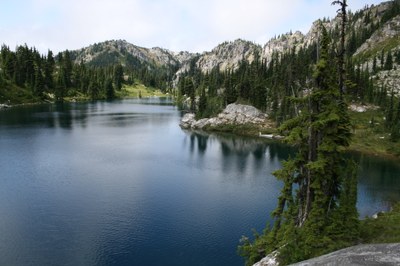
(119, 183)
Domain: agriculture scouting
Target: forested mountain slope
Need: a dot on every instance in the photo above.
(239, 70)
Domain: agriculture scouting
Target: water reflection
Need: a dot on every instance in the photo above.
(63, 115)
(378, 178)
(114, 183)
(240, 154)
(378, 184)
(70, 115)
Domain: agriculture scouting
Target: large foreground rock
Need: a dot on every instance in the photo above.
(366, 255)
(233, 114)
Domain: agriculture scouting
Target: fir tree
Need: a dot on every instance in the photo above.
(389, 61)
(118, 76)
(108, 87)
(319, 184)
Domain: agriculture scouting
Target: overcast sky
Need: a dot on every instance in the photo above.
(178, 25)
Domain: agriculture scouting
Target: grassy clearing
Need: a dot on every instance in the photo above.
(138, 90)
(11, 94)
(370, 135)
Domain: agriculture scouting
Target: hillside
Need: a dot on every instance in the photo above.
(372, 36)
(120, 51)
(371, 31)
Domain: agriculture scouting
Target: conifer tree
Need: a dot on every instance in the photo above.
(118, 76)
(319, 185)
(389, 61)
(49, 70)
(109, 89)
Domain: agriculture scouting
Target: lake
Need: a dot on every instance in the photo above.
(120, 183)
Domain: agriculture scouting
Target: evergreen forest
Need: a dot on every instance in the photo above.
(306, 90)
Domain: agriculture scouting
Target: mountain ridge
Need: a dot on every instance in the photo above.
(229, 54)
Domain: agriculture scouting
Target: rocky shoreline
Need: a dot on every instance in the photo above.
(4, 106)
(233, 115)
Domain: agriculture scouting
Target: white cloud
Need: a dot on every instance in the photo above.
(194, 25)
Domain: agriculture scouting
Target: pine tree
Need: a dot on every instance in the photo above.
(397, 57)
(109, 89)
(49, 70)
(319, 169)
(395, 131)
(390, 115)
(67, 67)
(319, 184)
(202, 103)
(374, 66)
(389, 61)
(118, 76)
(38, 88)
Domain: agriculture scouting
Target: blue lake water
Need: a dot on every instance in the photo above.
(119, 183)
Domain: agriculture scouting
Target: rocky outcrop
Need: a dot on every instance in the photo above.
(121, 50)
(228, 55)
(283, 44)
(378, 254)
(372, 254)
(233, 114)
(270, 260)
(389, 30)
(4, 106)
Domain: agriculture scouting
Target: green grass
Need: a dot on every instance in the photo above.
(138, 90)
(370, 135)
(11, 94)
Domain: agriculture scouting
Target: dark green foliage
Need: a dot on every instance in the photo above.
(392, 11)
(46, 76)
(389, 61)
(202, 103)
(258, 83)
(395, 129)
(397, 57)
(118, 76)
(316, 210)
(109, 89)
(254, 250)
(390, 112)
(384, 229)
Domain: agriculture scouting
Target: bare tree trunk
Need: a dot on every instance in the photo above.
(342, 48)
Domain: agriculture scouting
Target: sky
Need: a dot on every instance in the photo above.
(177, 25)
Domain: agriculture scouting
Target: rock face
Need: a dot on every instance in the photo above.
(228, 55)
(234, 114)
(269, 260)
(378, 254)
(120, 50)
(374, 254)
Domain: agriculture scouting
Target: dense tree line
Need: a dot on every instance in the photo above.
(258, 83)
(316, 210)
(149, 73)
(271, 85)
(56, 77)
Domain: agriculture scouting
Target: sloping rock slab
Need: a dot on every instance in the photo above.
(378, 254)
(233, 114)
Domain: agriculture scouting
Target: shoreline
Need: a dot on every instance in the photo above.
(249, 131)
(353, 148)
